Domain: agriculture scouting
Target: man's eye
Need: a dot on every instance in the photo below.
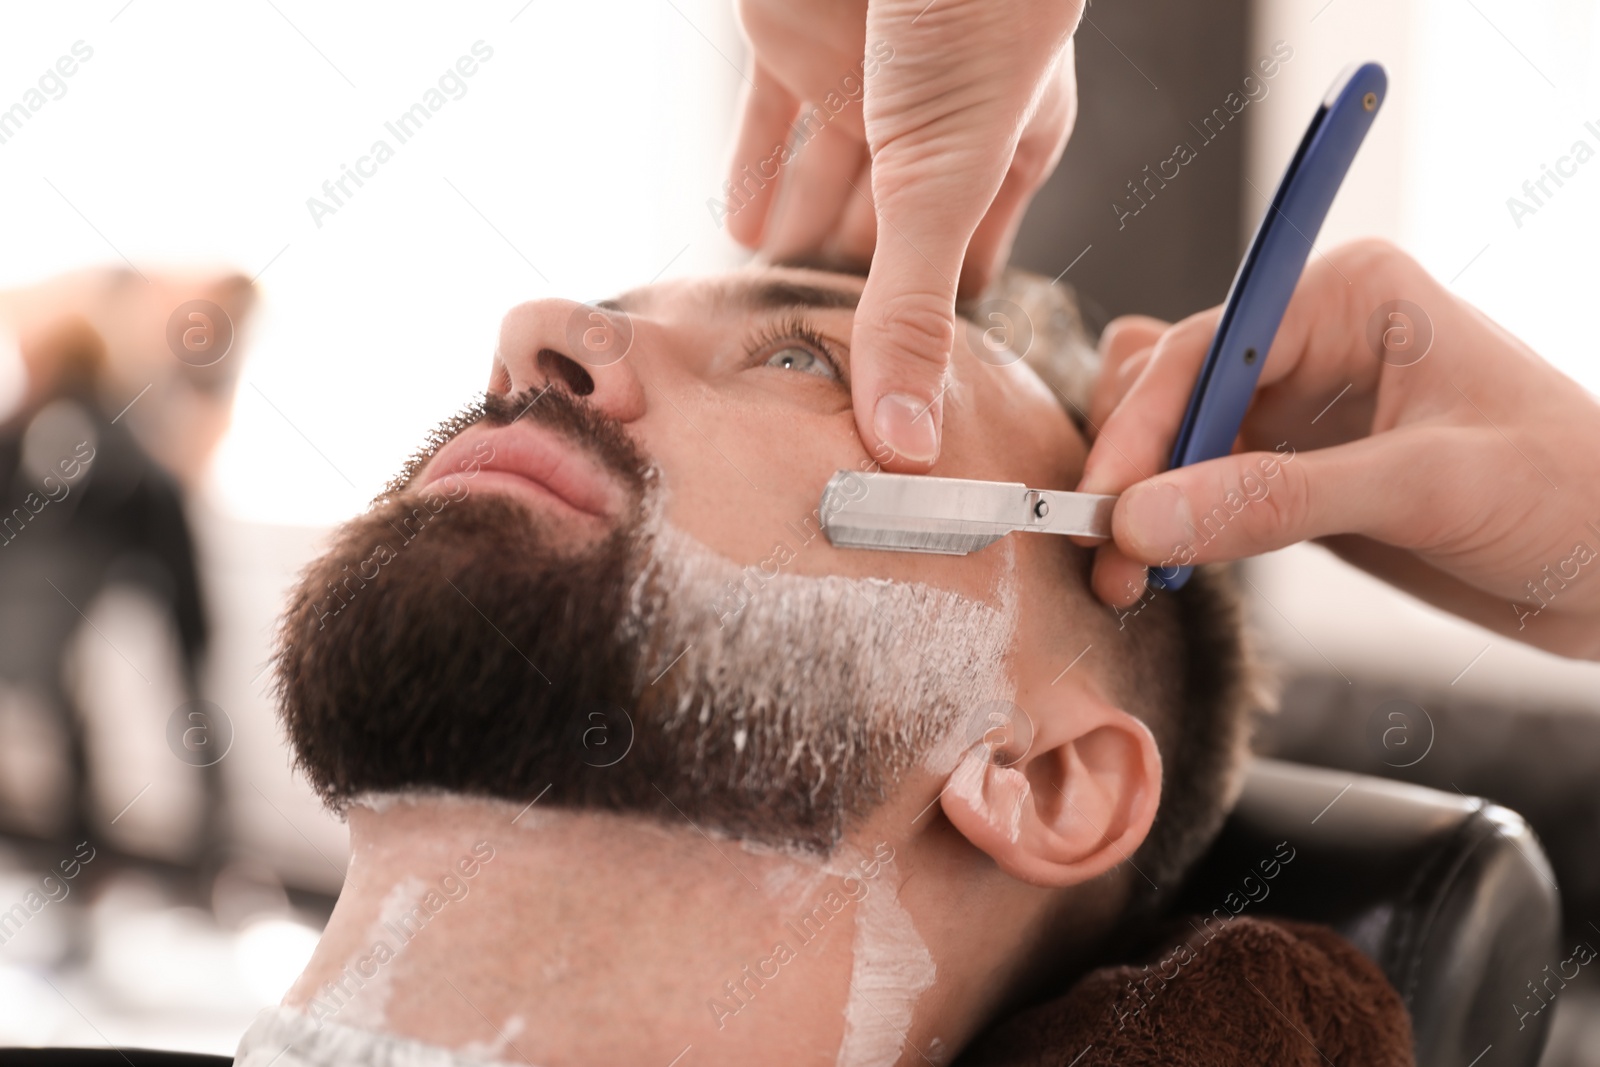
(793, 357)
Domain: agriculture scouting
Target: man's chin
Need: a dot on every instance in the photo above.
(443, 640)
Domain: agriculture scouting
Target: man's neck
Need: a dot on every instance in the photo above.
(557, 938)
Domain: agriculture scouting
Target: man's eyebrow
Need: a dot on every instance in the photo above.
(772, 294)
(775, 294)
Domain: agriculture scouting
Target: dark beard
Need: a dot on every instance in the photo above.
(458, 646)
(446, 642)
(455, 667)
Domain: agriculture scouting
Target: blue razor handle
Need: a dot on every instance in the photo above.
(1267, 276)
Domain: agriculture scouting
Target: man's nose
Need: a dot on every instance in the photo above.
(587, 350)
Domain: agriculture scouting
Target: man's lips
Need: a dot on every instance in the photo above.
(530, 457)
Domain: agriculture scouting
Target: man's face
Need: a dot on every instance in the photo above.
(624, 550)
(738, 389)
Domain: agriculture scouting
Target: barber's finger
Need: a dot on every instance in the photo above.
(990, 248)
(1037, 153)
(900, 354)
(1117, 579)
(1385, 487)
(1135, 440)
(1112, 385)
(857, 232)
(905, 323)
(766, 111)
(991, 242)
(816, 190)
(1127, 334)
(1126, 344)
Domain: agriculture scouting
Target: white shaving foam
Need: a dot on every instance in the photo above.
(793, 881)
(891, 969)
(368, 1009)
(496, 1050)
(943, 757)
(381, 801)
(827, 679)
(518, 813)
(1000, 792)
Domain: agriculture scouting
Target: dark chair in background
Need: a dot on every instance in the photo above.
(1450, 895)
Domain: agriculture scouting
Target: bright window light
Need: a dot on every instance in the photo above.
(575, 159)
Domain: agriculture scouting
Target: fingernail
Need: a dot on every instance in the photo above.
(1156, 518)
(905, 424)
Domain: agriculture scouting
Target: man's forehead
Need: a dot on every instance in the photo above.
(754, 288)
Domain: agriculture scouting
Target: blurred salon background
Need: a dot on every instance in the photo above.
(201, 370)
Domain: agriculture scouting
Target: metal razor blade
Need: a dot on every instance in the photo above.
(950, 516)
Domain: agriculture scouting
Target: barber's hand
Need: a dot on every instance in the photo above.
(1420, 442)
(966, 107)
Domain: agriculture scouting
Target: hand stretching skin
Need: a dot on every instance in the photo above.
(966, 107)
(1469, 478)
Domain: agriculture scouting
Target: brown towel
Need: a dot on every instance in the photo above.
(1255, 991)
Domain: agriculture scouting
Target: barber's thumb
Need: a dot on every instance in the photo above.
(900, 351)
(1224, 509)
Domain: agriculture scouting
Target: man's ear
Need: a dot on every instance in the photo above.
(1076, 803)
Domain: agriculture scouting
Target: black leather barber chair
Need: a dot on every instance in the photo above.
(1450, 895)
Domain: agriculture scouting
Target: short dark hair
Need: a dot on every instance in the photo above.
(1195, 681)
